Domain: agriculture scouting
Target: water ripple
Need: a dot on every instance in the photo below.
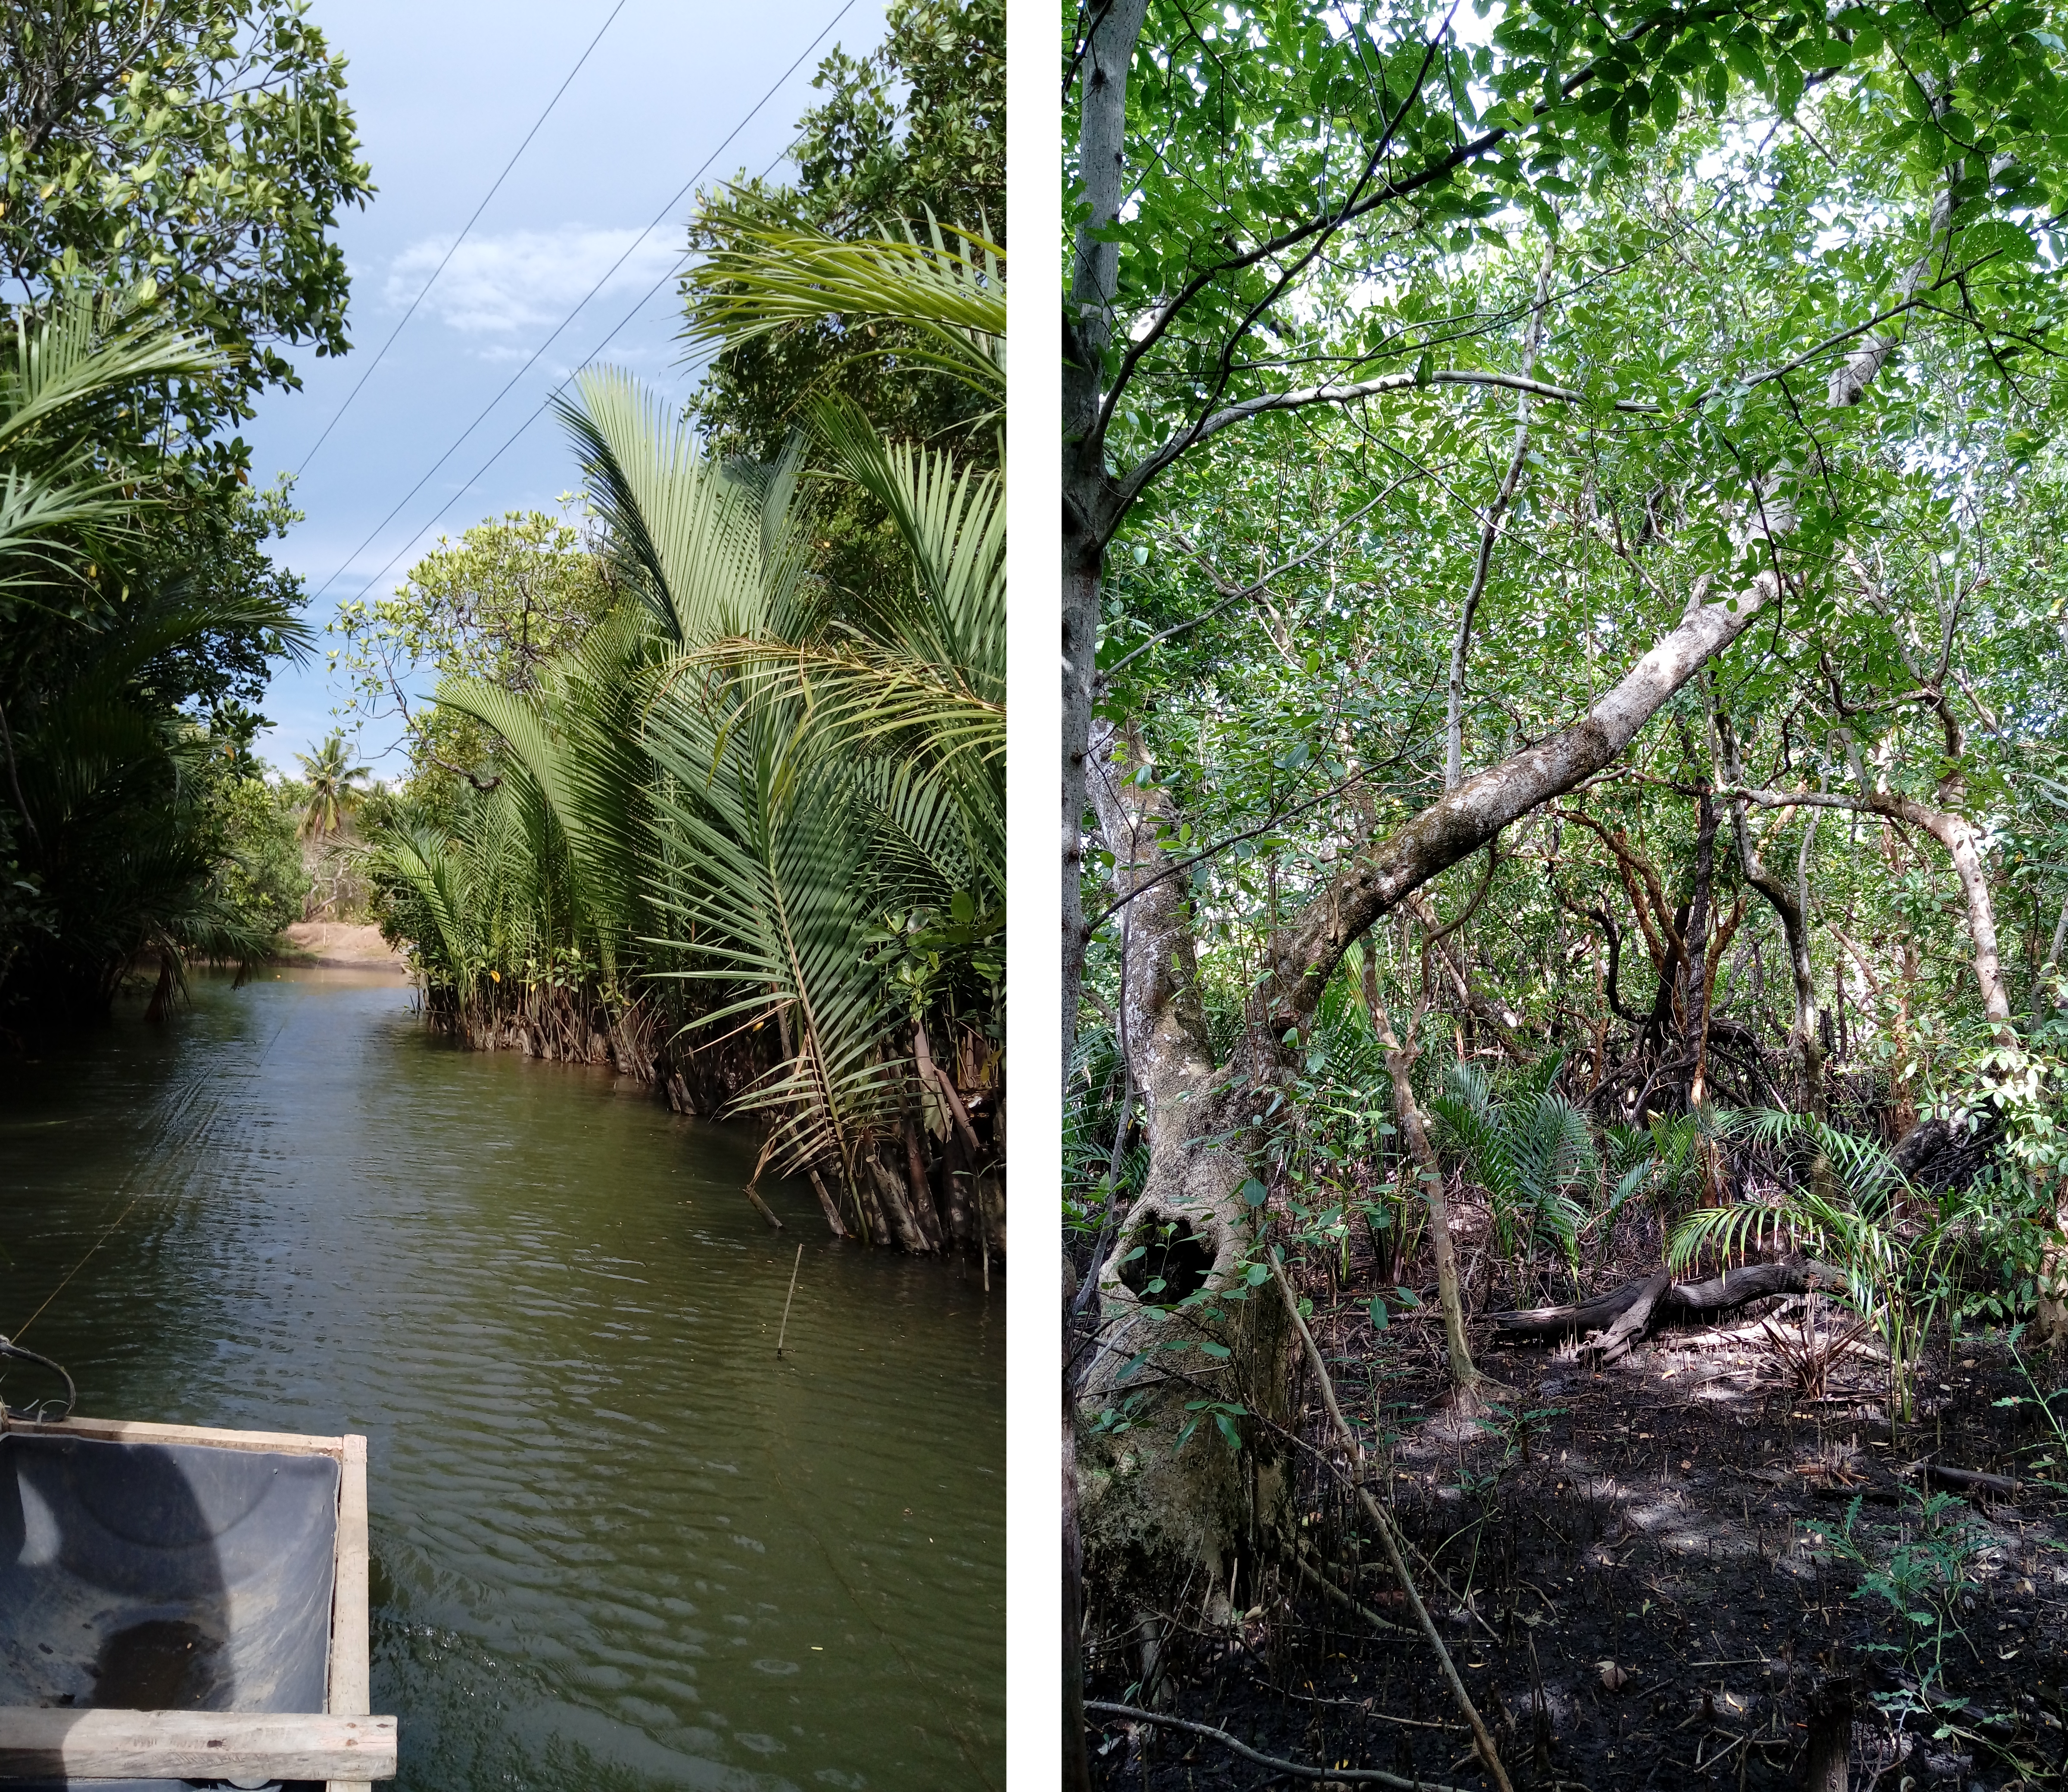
(618, 1543)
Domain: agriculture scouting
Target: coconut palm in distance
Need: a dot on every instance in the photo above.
(331, 777)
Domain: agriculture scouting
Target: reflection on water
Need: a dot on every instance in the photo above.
(617, 1543)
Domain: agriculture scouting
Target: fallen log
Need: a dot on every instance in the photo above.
(1614, 1344)
(1969, 1481)
(1560, 1322)
(1716, 1293)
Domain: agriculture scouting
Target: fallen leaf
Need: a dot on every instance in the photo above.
(1613, 1677)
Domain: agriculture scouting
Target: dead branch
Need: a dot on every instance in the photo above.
(1489, 1756)
(1367, 1776)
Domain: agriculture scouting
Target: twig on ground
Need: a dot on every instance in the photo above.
(1310, 1572)
(1489, 1756)
(1369, 1776)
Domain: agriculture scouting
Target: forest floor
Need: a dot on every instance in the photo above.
(1644, 1581)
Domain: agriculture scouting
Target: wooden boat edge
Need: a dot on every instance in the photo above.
(350, 1691)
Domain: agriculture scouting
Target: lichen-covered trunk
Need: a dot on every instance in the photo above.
(1157, 1485)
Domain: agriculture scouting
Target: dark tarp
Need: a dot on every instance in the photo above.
(158, 1577)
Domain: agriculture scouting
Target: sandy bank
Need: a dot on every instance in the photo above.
(345, 945)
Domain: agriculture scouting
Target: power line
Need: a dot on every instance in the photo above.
(659, 219)
(461, 238)
(532, 416)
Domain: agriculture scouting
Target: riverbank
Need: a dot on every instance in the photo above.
(338, 945)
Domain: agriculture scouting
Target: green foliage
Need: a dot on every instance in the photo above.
(719, 789)
(917, 127)
(511, 596)
(1845, 1211)
(1920, 1577)
(260, 882)
(203, 146)
(330, 778)
(123, 658)
(912, 133)
(1529, 1151)
(2051, 1451)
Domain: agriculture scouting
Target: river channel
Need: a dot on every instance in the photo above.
(617, 1543)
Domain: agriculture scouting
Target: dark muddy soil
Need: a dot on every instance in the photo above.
(1646, 1584)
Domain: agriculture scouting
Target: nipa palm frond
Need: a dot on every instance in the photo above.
(770, 278)
(769, 890)
(700, 535)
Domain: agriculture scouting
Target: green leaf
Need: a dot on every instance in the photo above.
(1253, 1193)
(1379, 1317)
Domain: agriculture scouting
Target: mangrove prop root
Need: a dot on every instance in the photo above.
(1489, 1756)
(1719, 1293)
(1369, 1776)
(1309, 1572)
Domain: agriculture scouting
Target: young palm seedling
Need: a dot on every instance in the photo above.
(1806, 1355)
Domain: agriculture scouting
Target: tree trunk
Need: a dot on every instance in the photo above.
(931, 1220)
(1146, 1500)
(2051, 1321)
(1088, 506)
(890, 1195)
(1462, 821)
(1076, 1761)
(1415, 1134)
(1963, 845)
(1694, 1006)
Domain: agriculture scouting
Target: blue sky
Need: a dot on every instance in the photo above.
(444, 91)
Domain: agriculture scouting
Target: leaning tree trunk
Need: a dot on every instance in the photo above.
(1148, 1502)
(1963, 843)
(1150, 1493)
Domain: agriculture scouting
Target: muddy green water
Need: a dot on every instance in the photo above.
(617, 1544)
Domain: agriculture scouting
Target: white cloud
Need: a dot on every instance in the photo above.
(524, 281)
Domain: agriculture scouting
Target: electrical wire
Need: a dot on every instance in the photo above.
(461, 238)
(660, 219)
(530, 417)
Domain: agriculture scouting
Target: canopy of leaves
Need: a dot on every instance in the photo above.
(205, 145)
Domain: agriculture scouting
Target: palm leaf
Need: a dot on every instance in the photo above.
(769, 278)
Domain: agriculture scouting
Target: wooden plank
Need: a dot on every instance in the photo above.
(133, 1431)
(43, 1742)
(351, 1667)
